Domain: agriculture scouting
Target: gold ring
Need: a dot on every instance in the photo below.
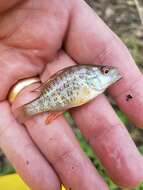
(16, 89)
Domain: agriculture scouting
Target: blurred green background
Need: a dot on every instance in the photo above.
(125, 18)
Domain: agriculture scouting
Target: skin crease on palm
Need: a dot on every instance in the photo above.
(39, 38)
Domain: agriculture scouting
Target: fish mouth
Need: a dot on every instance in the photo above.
(118, 77)
(115, 75)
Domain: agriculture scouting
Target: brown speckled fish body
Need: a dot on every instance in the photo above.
(72, 87)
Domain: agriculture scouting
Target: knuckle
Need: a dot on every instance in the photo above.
(64, 155)
(68, 158)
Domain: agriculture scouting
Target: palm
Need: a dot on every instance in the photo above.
(32, 33)
(35, 26)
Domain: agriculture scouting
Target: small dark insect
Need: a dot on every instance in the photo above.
(27, 162)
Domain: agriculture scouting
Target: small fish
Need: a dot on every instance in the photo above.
(70, 87)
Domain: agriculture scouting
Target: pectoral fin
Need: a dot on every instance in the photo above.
(52, 116)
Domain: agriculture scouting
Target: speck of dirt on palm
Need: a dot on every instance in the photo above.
(129, 97)
(27, 162)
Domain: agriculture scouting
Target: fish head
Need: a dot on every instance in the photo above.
(103, 76)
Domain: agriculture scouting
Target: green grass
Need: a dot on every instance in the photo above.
(6, 168)
(136, 48)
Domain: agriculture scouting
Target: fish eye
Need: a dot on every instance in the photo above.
(105, 70)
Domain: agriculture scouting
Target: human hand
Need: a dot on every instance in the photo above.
(33, 33)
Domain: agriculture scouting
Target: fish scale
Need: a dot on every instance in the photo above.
(71, 87)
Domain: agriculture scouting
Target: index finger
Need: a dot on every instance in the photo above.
(89, 40)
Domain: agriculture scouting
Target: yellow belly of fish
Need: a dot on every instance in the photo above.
(84, 95)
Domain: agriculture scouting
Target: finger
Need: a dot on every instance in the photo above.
(89, 40)
(111, 142)
(24, 155)
(64, 154)
(109, 138)
(58, 144)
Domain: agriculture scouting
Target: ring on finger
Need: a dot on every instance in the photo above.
(20, 85)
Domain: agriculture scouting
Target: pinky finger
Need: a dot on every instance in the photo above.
(24, 155)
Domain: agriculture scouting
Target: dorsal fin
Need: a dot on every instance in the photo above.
(46, 83)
